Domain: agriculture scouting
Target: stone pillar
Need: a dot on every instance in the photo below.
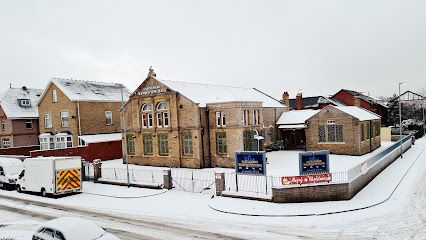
(286, 100)
(167, 178)
(97, 173)
(220, 183)
(357, 102)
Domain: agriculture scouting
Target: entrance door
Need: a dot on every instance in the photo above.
(294, 139)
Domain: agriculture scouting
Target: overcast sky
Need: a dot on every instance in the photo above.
(316, 47)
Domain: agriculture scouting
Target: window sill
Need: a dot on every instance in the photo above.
(339, 143)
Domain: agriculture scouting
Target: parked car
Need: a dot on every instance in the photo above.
(10, 168)
(50, 175)
(72, 228)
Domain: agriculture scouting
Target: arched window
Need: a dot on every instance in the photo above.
(146, 116)
(162, 115)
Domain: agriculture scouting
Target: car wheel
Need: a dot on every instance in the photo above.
(18, 188)
(43, 192)
(4, 186)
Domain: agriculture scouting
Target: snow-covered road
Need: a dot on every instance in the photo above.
(158, 214)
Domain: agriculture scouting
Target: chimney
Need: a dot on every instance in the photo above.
(24, 88)
(299, 101)
(357, 101)
(286, 100)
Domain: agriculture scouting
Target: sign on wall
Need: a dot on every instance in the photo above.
(320, 178)
(151, 90)
(250, 162)
(313, 163)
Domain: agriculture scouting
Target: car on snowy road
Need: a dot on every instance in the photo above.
(9, 172)
(72, 228)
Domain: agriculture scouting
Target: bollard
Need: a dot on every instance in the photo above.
(167, 178)
(220, 183)
(97, 173)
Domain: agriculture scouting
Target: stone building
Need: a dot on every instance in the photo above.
(70, 108)
(192, 125)
(345, 130)
(19, 117)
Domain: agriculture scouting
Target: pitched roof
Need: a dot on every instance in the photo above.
(81, 90)
(205, 93)
(314, 102)
(369, 99)
(296, 116)
(10, 103)
(357, 112)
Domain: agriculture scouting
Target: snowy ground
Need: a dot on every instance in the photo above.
(401, 188)
(280, 163)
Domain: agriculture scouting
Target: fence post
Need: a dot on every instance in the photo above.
(220, 183)
(83, 170)
(97, 173)
(167, 178)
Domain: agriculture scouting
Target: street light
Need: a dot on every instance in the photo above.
(400, 117)
(125, 134)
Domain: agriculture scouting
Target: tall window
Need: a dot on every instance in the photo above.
(377, 129)
(65, 120)
(362, 132)
(163, 144)
(130, 144)
(146, 116)
(47, 120)
(331, 135)
(246, 117)
(147, 143)
(271, 133)
(162, 115)
(108, 117)
(220, 119)
(2, 125)
(339, 133)
(321, 133)
(186, 143)
(29, 124)
(256, 117)
(248, 140)
(54, 96)
(221, 147)
(368, 130)
(6, 142)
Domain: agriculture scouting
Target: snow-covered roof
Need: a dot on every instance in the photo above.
(357, 112)
(205, 93)
(96, 138)
(81, 90)
(296, 117)
(11, 105)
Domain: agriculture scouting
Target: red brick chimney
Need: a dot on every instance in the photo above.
(299, 101)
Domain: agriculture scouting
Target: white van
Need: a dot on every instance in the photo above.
(50, 175)
(10, 168)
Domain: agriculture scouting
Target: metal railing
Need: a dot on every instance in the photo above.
(136, 176)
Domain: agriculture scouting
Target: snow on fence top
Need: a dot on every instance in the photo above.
(20, 103)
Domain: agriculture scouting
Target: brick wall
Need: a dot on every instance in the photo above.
(103, 151)
(334, 192)
(23, 150)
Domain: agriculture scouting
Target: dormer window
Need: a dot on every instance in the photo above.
(25, 103)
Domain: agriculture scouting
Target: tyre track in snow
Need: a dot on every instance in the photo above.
(122, 225)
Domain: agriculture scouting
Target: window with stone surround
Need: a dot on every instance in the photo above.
(220, 119)
(146, 114)
(186, 143)
(147, 144)
(108, 117)
(246, 117)
(221, 147)
(331, 133)
(130, 144)
(256, 117)
(162, 115)
(339, 133)
(54, 96)
(163, 144)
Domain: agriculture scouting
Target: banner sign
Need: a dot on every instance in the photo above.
(307, 179)
(313, 163)
(250, 162)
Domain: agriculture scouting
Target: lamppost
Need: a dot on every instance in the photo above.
(125, 133)
(400, 117)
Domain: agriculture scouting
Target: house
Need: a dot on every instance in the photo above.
(194, 125)
(19, 117)
(372, 104)
(347, 130)
(314, 103)
(70, 108)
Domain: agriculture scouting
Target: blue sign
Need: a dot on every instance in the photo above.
(313, 163)
(250, 163)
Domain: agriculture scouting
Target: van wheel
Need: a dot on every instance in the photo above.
(18, 188)
(43, 192)
(4, 186)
